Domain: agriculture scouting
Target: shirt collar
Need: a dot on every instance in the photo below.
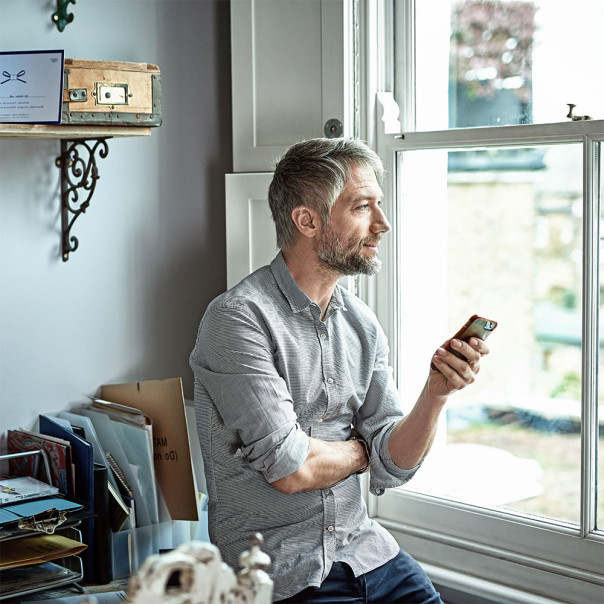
(297, 299)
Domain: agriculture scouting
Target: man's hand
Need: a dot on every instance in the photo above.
(450, 373)
(413, 435)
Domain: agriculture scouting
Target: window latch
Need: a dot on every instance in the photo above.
(575, 118)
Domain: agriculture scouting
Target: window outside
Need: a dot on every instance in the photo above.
(507, 245)
(502, 231)
(490, 217)
(506, 62)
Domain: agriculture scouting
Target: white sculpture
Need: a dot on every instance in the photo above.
(254, 584)
(194, 573)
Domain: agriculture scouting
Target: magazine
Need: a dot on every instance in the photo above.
(26, 487)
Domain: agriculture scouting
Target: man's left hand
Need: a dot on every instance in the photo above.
(450, 373)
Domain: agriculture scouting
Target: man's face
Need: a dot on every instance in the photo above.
(348, 244)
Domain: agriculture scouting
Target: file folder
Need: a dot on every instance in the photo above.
(83, 460)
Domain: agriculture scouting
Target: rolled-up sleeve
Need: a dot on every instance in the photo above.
(385, 473)
(233, 361)
(375, 420)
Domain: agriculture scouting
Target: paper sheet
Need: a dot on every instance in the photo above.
(43, 548)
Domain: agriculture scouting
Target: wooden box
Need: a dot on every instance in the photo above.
(111, 93)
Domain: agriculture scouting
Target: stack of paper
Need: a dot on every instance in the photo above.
(35, 577)
(163, 402)
(124, 458)
(42, 548)
(34, 522)
(127, 435)
(13, 490)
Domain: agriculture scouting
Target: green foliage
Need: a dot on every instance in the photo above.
(568, 387)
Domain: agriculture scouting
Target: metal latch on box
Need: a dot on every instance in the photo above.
(78, 95)
(111, 94)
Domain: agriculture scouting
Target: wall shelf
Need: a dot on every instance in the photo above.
(80, 146)
(71, 132)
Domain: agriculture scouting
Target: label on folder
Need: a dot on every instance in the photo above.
(31, 87)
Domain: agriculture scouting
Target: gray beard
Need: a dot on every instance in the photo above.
(345, 260)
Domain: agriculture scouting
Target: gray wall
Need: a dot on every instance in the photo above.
(152, 248)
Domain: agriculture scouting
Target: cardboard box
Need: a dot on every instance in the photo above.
(163, 402)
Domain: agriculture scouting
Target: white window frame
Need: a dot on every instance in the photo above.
(491, 548)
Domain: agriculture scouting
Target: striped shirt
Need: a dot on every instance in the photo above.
(269, 373)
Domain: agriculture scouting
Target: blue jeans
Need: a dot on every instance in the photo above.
(401, 579)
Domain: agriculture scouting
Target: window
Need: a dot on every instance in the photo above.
(509, 247)
(495, 199)
(503, 62)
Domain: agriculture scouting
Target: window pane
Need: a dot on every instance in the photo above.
(506, 62)
(600, 409)
(504, 242)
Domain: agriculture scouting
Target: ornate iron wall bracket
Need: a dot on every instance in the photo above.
(61, 17)
(79, 174)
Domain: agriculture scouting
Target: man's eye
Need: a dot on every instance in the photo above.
(363, 207)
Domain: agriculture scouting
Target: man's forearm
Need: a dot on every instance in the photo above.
(412, 437)
(326, 464)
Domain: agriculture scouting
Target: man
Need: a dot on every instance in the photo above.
(294, 396)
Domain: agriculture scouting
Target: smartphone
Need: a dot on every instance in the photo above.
(475, 327)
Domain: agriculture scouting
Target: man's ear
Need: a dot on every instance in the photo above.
(306, 220)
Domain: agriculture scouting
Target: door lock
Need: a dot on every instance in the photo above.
(333, 128)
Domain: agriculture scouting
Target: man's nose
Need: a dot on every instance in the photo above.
(380, 223)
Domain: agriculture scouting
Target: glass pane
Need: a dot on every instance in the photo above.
(507, 62)
(504, 242)
(600, 410)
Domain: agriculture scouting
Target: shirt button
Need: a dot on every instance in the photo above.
(326, 491)
(330, 380)
(320, 420)
(323, 336)
(330, 529)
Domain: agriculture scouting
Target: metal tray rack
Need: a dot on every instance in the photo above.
(31, 578)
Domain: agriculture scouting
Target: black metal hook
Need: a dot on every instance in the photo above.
(61, 17)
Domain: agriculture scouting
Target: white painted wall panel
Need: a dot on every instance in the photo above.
(250, 231)
(289, 75)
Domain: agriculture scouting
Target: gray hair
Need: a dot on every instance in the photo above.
(313, 173)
